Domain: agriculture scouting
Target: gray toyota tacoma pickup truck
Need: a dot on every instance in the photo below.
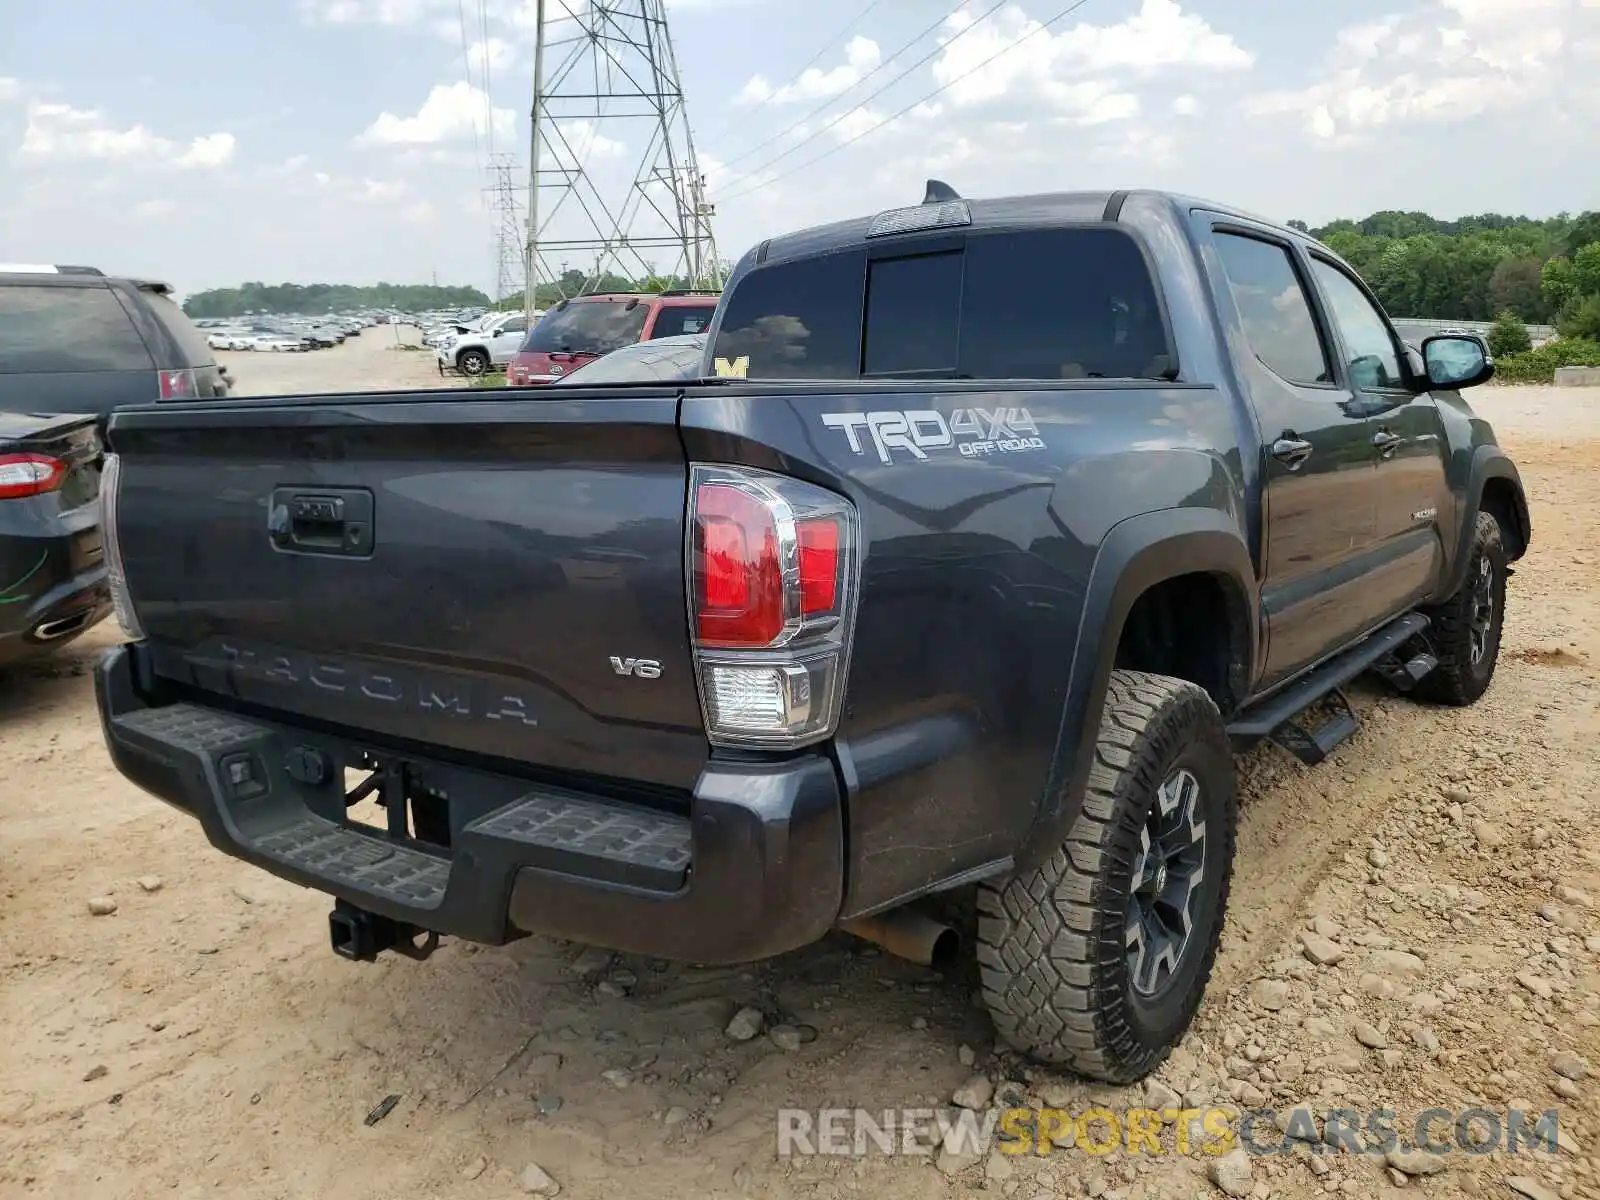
(990, 531)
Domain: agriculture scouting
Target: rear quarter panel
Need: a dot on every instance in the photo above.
(977, 559)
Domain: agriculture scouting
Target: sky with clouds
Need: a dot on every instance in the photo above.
(346, 140)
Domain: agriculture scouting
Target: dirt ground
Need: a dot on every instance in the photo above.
(377, 360)
(202, 1041)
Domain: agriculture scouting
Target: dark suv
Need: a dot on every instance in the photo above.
(74, 340)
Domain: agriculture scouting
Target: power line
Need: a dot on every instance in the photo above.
(488, 90)
(809, 63)
(1004, 50)
(815, 134)
(466, 67)
(832, 100)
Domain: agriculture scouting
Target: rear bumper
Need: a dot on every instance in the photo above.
(49, 595)
(754, 869)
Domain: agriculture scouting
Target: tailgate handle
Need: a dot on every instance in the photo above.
(333, 521)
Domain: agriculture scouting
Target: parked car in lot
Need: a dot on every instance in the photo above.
(52, 560)
(474, 351)
(988, 530)
(74, 340)
(582, 329)
(660, 361)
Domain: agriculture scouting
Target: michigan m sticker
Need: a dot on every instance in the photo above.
(739, 368)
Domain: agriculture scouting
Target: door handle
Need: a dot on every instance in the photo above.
(1386, 442)
(1291, 451)
(333, 521)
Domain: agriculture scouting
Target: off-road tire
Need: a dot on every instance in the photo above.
(1460, 678)
(472, 362)
(1052, 941)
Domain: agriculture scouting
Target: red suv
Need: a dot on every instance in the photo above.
(583, 328)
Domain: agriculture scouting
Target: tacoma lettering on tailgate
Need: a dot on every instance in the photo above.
(431, 692)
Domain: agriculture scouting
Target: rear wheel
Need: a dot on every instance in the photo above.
(1097, 959)
(1466, 628)
(472, 362)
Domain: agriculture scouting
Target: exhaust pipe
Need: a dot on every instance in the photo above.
(909, 934)
(49, 631)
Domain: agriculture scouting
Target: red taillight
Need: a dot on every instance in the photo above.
(738, 578)
(23, 475)
(178, 385)
(774, 565)
(819, 566)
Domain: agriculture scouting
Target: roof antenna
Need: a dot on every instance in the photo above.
(939, 192)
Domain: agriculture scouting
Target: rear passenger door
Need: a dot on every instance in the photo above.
(1410, 490)
(1317, 461)
(507, 340)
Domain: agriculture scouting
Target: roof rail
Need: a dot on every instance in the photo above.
(692, 292)
(46, 269)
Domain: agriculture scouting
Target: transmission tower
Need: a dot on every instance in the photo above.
(509, 227)
(612, 176)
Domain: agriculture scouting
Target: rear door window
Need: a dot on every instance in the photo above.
(1273, 308)
(191, 342)
(1061, 304)
(588, 327)
(797, 320)
(675, 319)
(56, 329)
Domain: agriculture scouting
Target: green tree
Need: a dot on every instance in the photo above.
(1508, 335)
(1585, 231)
(1558, 283)
(317, 298)
(1515, 284)
(1586, 269)
(1581, 319)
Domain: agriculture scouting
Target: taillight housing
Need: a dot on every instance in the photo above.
(24, 475)
(116, 577)
(179, 385)
(774, 567)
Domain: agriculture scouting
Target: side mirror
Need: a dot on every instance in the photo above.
(1453, 361)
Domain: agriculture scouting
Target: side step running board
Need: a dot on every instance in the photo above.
(1275, 716)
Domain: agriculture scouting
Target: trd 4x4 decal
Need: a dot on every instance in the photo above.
(976, 432)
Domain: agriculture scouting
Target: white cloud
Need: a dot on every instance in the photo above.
(10, 89)
(861, 56)
(62, 133)
(856, 123)
(1085, 72)
(370, 12)
(154, 210)
(452, 112)
(213, 150)
(1449, 60)
(1185, 106)
(494, 54)
(379, 190)
(588, 142)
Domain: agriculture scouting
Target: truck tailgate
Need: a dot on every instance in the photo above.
(477, 576)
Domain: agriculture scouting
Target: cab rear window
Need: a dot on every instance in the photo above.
(1074, 303)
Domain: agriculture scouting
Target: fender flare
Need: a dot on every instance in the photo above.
(1488, 462)
(1137, 554)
